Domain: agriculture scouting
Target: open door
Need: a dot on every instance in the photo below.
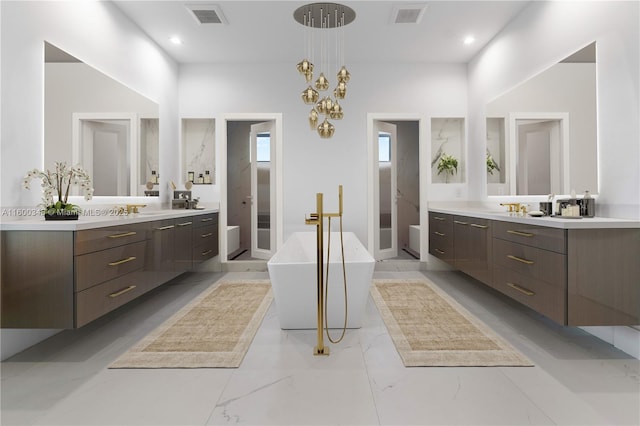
(385, 187)
(263, 194)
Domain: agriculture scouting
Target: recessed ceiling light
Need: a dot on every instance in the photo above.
(175, 40)
(469, 39)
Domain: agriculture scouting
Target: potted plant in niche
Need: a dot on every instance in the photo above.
(491, 164)
(447, 164)
(58, 182)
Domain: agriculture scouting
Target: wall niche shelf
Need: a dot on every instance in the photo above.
(198, 150)
(447, 150)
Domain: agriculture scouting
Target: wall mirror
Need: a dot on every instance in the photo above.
(542, 134)
(110, 129)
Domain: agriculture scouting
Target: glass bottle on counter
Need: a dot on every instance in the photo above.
(207, 177)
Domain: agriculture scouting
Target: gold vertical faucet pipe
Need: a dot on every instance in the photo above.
(320, 349)
(317, 219)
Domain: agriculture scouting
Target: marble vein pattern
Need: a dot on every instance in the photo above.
(577, 379)
(198, 138)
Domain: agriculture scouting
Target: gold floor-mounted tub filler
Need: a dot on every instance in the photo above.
(317, 218)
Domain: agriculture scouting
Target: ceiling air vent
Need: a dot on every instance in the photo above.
(207, 13)
(408, 14)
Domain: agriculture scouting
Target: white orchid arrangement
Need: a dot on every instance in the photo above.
(58, 182)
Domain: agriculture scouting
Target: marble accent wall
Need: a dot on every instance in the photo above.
(149, 150)
(198, 147)
(447, 137)
(496, 148)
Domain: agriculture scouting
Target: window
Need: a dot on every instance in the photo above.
(263, 141)
(384, 147)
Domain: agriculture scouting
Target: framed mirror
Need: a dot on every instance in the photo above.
(91, 119)
(542, 134)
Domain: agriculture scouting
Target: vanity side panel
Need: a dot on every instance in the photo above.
(604, 277)
(37, 279)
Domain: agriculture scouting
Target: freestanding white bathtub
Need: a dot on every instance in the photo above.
(292, 271)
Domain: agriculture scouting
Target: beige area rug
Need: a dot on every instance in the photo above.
(429, 328)
(214, 330)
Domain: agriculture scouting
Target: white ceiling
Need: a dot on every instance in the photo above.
(265, 31)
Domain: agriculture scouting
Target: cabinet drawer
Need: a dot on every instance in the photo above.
(441, 247)
(547, 299)
(530, 261)
(91, 240)
(205, 236)
(205, 220)
(205, 244)
(96, 301)
(535, 236)
(97, 267)
(440, 223)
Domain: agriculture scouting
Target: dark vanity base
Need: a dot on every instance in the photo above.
(577, 277)
(66, 279)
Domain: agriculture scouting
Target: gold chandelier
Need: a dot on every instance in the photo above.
(324, 16)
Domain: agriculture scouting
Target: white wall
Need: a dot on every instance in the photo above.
(312, 164)
(98, 34)
(541, 35)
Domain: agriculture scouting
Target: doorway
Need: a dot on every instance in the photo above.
(539, 159)
(394, 232)
(105, 145)
(251, 217)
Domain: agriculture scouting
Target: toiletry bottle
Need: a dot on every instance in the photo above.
(200, 178)
(154, 176)
(191, 177)
(207, 177)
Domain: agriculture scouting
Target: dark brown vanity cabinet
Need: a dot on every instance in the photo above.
(576, 277)
(472, 247)
(603, 268)
(66, 279)
(183, 260)
(109, 268)
(205, 238)
(441, 236)
(530, 266)
(162, 247)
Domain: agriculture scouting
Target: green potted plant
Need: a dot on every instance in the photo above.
(491, 164)
(58, 182)
(447, 164)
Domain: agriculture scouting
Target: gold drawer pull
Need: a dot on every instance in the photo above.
(438, 218)
(519, 259)
(126, 234)
(123, 291)
(439, 251)
(439, 233)
(522, 234)
(475, 225)
(204, 253)
(120, 262)
(206, 235)
(208, 219)
(185, 223)
(164, 228)
(521, 289)
(460, 223)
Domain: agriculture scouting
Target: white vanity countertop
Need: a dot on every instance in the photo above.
(553, 222)
(37, 223)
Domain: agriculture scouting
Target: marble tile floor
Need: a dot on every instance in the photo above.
(577, 378)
